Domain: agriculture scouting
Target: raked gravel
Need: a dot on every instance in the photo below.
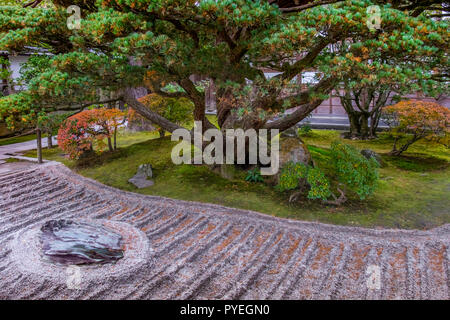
(190, 250)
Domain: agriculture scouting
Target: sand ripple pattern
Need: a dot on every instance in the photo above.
(205, 251)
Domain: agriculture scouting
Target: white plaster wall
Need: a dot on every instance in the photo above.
(15, 65)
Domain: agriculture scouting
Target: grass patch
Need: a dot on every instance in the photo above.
(11, 140)
(417, 163)
(412, 193)
(383, 144)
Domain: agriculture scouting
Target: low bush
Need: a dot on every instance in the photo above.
(351, 171)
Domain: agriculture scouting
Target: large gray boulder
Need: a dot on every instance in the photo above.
(295, 150)
(141, 178)
(292, 150)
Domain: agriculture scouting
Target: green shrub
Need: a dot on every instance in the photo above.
(320, 186)
(353, 170)
(350, 169)
(293, 175)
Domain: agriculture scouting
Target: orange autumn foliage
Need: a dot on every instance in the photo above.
(79, 132)
(415, 120)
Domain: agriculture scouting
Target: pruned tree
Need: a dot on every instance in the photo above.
(124, 45)
(79, 132)
(363, 107)
(364, 97)
(411, 121)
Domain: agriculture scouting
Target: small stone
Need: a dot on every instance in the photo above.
(145, 170)
(141, 178)
(140, 182)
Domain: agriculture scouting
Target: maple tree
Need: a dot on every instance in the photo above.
(412, 121)
(79, 132)
(123, 45)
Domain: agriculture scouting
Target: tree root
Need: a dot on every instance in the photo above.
(337, 201)
(294, 197)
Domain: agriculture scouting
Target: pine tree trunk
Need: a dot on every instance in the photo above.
(354, 125)
(364, 126)
(373, 128)
(39, 144)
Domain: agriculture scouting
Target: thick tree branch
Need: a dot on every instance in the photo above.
(293, 118)
(307, 6)
(307, 105)
(130, 99)
(307, 60)
(324, 86)
(414, 7)
(32, 4)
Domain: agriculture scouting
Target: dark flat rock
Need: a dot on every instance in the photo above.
(73, 242)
